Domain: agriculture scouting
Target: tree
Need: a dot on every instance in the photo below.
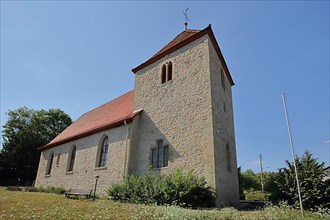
(250, 181)
(240, 183)
(25, 131)
(314, 190)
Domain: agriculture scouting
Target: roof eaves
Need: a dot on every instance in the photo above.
(219, 53)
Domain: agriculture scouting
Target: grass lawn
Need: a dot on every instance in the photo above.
(35, 205)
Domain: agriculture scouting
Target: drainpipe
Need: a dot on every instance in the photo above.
(126, 148)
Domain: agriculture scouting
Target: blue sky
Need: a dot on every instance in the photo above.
(77, 55)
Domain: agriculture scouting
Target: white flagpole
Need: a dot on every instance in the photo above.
(293, 154)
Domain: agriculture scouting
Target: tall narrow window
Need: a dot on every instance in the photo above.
(164, 73)
(154, 157)
(58, 159)
(165, 156)
(169, 71)
(159, 155)
(228, 157)
(223, 79)
(71, 159)
(49, 163)
(104, 152)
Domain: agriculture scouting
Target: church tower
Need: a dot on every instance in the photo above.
(184, 91)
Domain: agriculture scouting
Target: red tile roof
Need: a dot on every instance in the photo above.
(106, 116)
(183, 39)
(178, 39)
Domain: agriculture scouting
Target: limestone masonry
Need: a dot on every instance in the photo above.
(180, 114)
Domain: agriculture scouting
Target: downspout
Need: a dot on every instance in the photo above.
(126, 148)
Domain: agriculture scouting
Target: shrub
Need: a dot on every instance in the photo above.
(51, 189)
(30, 189)
(256, 196)
(175, 188)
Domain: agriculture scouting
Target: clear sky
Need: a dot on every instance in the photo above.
(77, 55)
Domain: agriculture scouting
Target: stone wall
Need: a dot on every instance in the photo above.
(178, 111)
(85, 169)
(223, 131)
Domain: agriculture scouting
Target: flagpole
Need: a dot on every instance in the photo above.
(293, 154)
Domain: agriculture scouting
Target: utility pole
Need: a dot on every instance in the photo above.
(262, 179)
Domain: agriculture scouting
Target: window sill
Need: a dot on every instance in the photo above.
(68, 172)
(47, 175)
(100, 168)
(159, 168)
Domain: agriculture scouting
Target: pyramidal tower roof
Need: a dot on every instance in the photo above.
(177, 40)
(184, 38)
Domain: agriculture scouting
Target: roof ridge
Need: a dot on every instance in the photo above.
(175, 41)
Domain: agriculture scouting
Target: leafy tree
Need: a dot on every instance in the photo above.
(270, 185)
(314, 190)
(240, 183)
(25, 131)
(250, 181)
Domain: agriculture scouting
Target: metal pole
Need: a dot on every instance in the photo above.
(262, 179)
(126, 148)
(293, 154)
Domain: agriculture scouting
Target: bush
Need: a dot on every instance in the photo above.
(175, 188)
(256, 196)
(30, 189)
(51, 189)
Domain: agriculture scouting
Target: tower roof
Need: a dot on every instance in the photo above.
(108, 115)
(178, 39)
(183, 39)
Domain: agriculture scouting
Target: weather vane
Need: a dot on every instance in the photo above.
(186, 18)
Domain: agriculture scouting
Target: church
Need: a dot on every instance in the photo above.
(180, 114)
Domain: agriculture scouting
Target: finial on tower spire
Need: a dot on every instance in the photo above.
(186, 18)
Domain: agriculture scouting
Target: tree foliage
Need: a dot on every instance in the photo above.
(25, 131)
(314, 190)
(250, 181)
(250, 185)
(240, 183)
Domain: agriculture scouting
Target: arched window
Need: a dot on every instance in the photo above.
(49, 163)
(72, 157)
(223, 79)
(228, 157)
(169, 71)
(164, 73)
(103, 152)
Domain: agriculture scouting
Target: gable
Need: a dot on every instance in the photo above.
(183, 39)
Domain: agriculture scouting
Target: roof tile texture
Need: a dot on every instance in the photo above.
(178, 39)
(110, 113)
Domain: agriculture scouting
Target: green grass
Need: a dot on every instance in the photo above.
(34, 205)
